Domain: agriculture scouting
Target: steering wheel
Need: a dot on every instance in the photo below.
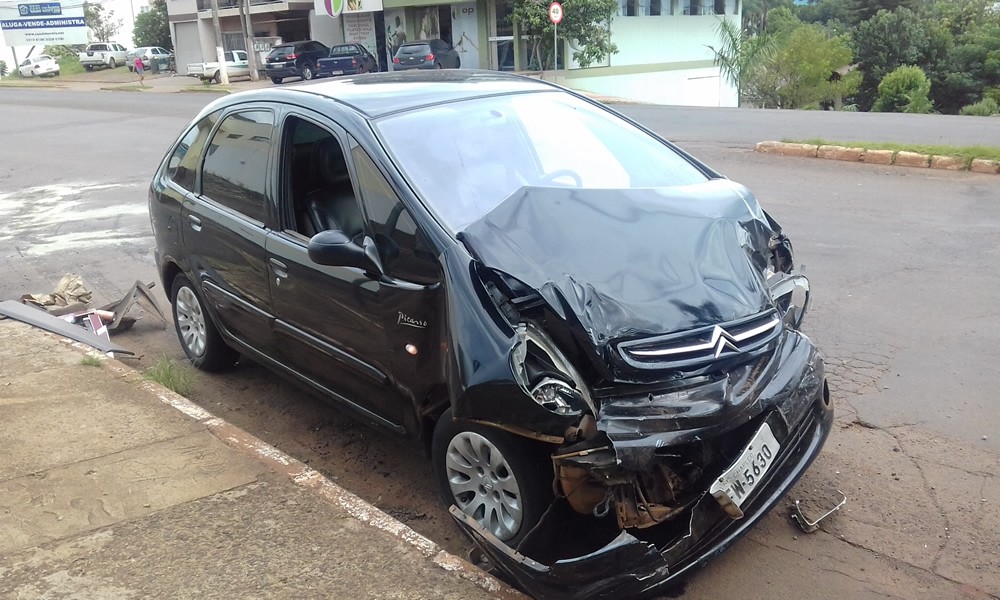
(554, 175)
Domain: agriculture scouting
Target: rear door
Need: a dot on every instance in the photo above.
(224, 227)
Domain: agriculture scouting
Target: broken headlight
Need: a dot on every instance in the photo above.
(546, 375)
(790, 294)
(557, 396)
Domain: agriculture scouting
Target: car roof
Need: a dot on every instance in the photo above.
(379, 94)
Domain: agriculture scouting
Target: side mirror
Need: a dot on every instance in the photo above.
(333, 248)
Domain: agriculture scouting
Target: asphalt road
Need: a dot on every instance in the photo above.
(905, 267)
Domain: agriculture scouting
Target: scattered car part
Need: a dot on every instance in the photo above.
(811, 526)
(139, 293)
(43, 320)
(69, 291)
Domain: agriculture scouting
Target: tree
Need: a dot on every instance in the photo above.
(3, 68)
(881, 44)
(807, 64)
(101, 21)
(741, 57)
(905, 89)
(587, 23)
(151, 28)
(757, 12)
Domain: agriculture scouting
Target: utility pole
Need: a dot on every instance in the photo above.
(247, 27)
(219, 52)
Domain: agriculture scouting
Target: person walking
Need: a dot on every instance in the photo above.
(140, 68)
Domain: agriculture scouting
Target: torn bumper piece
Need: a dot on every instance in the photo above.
(628, 567)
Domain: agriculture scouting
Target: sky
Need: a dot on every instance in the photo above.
(122, 10)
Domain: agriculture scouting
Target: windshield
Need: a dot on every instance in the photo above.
(464, 158)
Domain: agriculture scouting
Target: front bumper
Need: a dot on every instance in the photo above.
(801, 416)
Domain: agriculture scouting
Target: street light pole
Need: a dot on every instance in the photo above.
(219, 52)
(247, 26)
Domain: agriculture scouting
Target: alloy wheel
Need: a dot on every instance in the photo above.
(191, 321)
(483, 484)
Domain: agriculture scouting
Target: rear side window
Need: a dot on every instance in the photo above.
(235, 170)
(281, 51)
(183, 164)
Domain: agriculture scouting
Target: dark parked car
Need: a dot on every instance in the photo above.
(596, 336)
(346, 59)
(426, 54)
(294, 59)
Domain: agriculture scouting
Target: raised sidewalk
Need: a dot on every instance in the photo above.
(114, 487)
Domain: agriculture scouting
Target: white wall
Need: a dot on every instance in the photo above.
(326, 29)
(651, 40)
(661, 40)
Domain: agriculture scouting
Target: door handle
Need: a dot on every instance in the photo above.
(280, 269)
(195, 222)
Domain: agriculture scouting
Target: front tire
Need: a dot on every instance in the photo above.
(502, 481)
(89, 67)
(218, 77)
(196, 331)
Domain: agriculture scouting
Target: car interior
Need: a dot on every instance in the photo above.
(323, 195)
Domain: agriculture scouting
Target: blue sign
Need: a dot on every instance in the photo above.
(40, 10)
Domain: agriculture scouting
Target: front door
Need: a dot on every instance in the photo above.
(340, 327)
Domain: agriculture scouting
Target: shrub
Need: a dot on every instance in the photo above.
(905, 89)
(983, 108)
(3, 68)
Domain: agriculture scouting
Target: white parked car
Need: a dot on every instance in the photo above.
(149, 54)
(102, 54)
(236, 66)
(39, 66)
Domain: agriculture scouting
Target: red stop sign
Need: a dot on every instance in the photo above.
(555, 12)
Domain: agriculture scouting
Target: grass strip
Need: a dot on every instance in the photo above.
(966, 153)
(172, 375)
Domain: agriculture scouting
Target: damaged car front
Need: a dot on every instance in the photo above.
(636, 327)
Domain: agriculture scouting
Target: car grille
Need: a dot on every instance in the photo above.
(702, 346)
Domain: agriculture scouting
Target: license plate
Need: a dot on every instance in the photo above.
(736, 483)
(336, 72)
(275, 65)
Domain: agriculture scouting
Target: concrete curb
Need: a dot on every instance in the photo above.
(900, 158)
(308, 478)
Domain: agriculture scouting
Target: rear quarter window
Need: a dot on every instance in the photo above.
(182, 167)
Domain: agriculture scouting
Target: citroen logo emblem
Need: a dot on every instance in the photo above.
(721, 340)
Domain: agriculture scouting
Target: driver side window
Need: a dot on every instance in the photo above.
(318, 182)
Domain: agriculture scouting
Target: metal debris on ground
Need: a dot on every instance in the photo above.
(811, 526)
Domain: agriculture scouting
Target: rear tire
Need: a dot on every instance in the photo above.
(307, 72)
(218, 77)
(277, 80)
(501, 480)
(111, 63)
(196, 331)
(88, 67)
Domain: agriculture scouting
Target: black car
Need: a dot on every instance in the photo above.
(426, 54)
(596, 336)
(294, 59)
(346, 59)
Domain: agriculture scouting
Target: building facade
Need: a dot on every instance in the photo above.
(663, 55)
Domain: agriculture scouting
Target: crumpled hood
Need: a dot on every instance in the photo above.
(632, 262)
